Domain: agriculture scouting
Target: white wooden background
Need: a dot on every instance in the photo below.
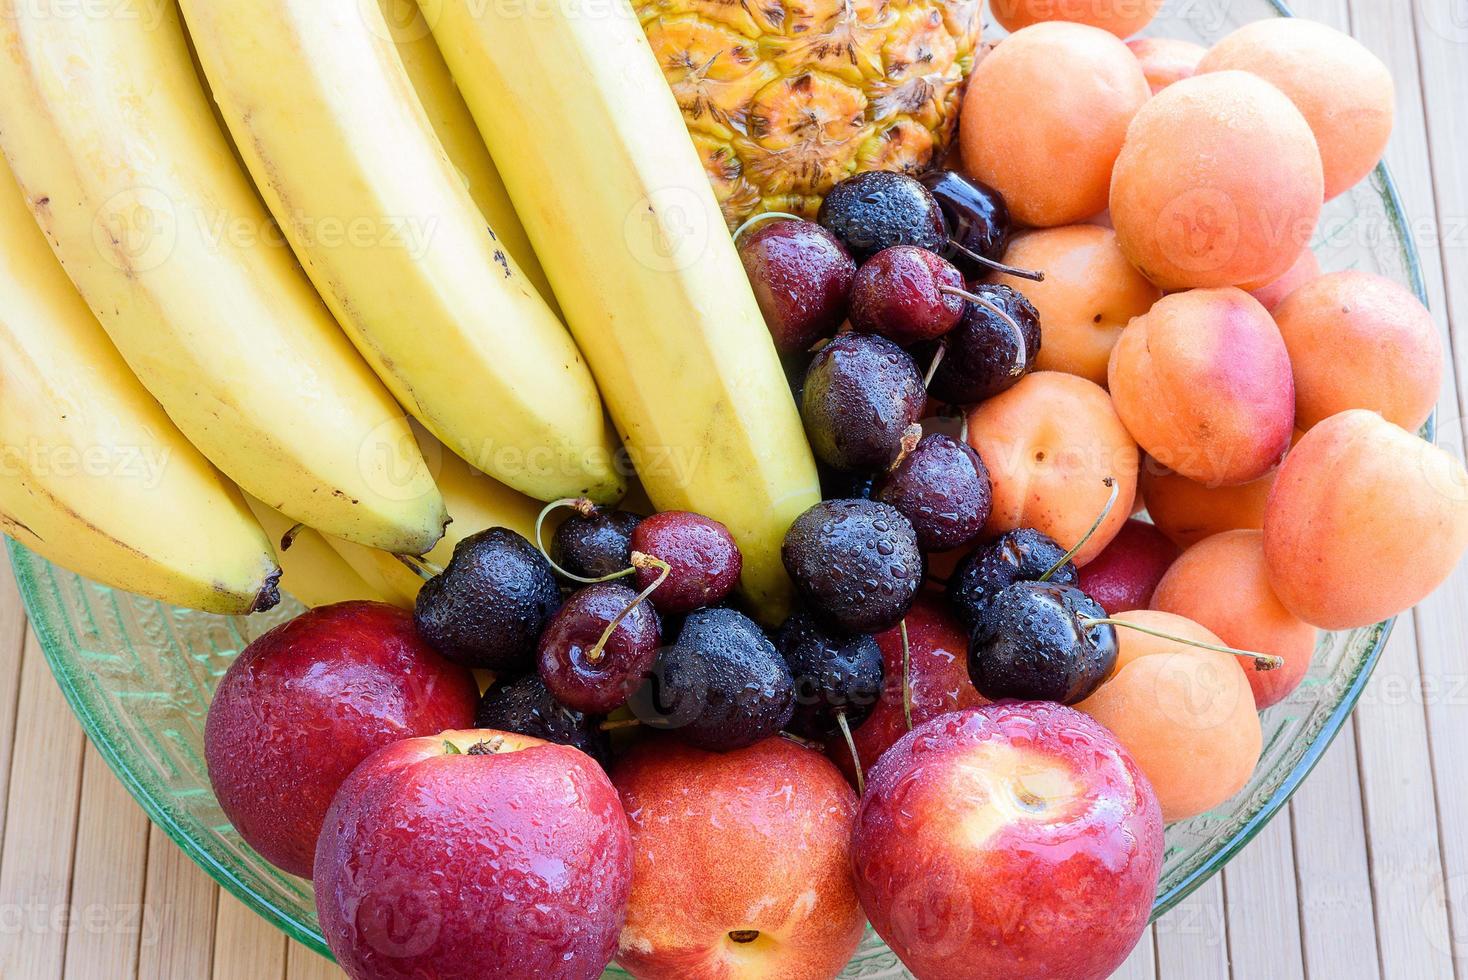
(1364, 876)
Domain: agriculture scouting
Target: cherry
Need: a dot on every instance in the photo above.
(598, 648)
(978, 222)
(855, 563)
(878, 209)
(907, 294)
(942, 486)
(861, 393)
(594, 542)
(801, 274)
(1041, 641)
(721, 685)
(1023, 555)
(702, 559)
(983, 356)
(526, 707)
(838, 677)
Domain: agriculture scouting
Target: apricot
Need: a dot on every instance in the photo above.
(1343, 90)
(1306, 267)
(1187, 717)
(1203, 384)
(1049, 443)
(1358, 340)
(1089, 295)
(1218, 183)
(1047, 138)
(1131, 644)
(1187, 511)
(1223, 583)
(1120, 17)
(1365, 521)
(1166, 60)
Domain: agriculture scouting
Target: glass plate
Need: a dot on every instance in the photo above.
(139, 674)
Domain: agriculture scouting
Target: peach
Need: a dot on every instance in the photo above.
(1218, 184)
(1223, 583)
(1188, 511)
(1306, 267)
(1358, 340)
(1166, 60)
(1047, 139)
(1187, 717)
(1050, 442)
(1203, 384)
(1365, 521)
(1089, 295)
(1121, 17)
(1343, 90)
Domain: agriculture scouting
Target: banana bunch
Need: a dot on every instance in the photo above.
(310, 569)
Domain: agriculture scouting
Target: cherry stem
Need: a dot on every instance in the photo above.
(289, 537)
(906, 674)
(938, 356)
(792, 737)
(861, 780)
(997, 266)
(612, 726)
(585, 508)
(423, 569)
(1095, 526)
(639, 560)
(911, 436)
(1262, 661)
(1022, 355)
(753, 220)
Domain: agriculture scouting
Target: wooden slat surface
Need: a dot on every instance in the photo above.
(1365, 877)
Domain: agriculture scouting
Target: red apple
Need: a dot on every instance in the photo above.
(741, 863)
(303, 704)
(938, 672)
(1125, 574)
(1013, 840)
(474, 854)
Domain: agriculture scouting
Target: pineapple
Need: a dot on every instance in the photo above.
(785, 98)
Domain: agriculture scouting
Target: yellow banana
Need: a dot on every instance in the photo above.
(110, 136)
(327, 120)
(311, 570)
(92, 474)
(598, 162)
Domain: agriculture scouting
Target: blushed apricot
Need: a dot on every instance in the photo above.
(1365, 521)
(1358, 340)
(1120, 17)
(1166, 60)
(1343, 90)
(1131, 644)
(1049, 443)
(1187, 511)
(1306, 267)
(1223, 583)
(1045, 116)
(1218, 183)
(1090, 293)
(1203, 384)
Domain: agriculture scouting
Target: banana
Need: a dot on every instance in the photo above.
(92, 474)
(475, 502)
(110, 136)
(311, 570)
(341, 149)
(591, 144)
(455, 127)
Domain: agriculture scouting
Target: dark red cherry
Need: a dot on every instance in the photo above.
(587, 663)
(704, 562)
(861, 393)
(943, 488)
(801, 274)
(982, 356)
(906, 294)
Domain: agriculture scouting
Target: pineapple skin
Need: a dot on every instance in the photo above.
(786, 98)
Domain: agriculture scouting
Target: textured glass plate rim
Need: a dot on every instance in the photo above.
(51, 642)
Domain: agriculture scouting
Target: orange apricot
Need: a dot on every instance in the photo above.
(1358, 340)
(1203, 384)
(1223, 583)
(1131, 644)
(1166, 60)
(1306, 267)
(1121, 17)
(1343, 90)
(1090, 293)
(1218, 183)
(1365, 521)
(1049, 444)
(1047, 138)
(1188, 511)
